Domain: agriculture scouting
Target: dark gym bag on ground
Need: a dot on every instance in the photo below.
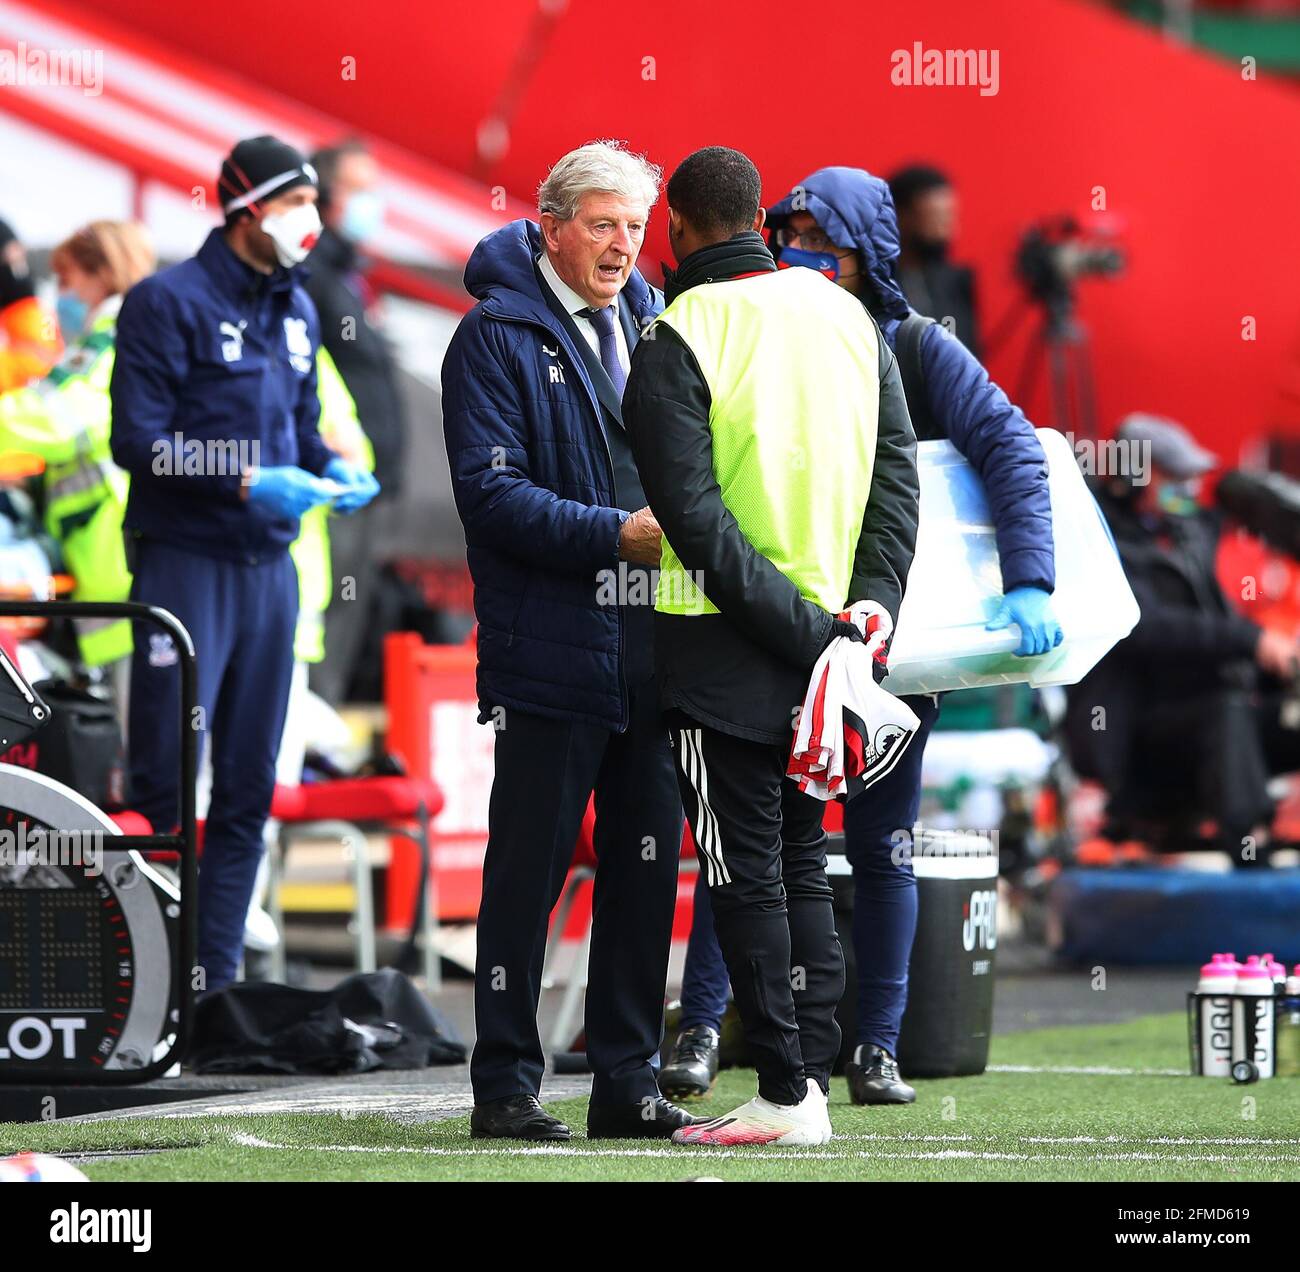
(373, 1020)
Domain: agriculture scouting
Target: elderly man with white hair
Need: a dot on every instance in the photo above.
(560, 545)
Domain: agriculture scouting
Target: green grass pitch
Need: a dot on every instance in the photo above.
(1109, 1102)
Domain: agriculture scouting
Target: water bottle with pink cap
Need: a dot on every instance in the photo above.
(1217, 984)
(1277, 972)
(1253, 1001)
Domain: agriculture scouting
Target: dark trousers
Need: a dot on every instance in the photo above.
(884, 887)
(762, 856)
(545, 772)
(241, 618)
(706, 985)
(884, 905)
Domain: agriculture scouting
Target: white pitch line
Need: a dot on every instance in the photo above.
(1097, 1070)
(954, 1154)
(684, 1154)
(1239, 1141)
(1244, 1141)
(1201, 1142)
(913, 1137)
(536, 1150)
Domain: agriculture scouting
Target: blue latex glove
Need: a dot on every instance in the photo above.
(1030, 608)
(288, 492)
(361, 485)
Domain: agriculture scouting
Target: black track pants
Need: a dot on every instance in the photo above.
(762, 854)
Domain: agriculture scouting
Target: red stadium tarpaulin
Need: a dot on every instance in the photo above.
(1192, 157)
(169, 119)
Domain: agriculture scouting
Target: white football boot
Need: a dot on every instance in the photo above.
(761, 1122)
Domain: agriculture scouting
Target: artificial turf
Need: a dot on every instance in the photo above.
(1031, 1117)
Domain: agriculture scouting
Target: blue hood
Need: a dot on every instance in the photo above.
(855, 209)
(500, 269)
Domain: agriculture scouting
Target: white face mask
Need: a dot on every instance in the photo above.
(294, 233)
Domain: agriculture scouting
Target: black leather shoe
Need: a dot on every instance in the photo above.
(692, 1064)
(647, 1119)
(515, 1117)
(874, 1079)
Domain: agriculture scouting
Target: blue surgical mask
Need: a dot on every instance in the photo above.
(71, 311)
(822, 262)
(363, 215)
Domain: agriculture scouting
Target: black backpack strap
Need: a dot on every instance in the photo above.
(907, 348)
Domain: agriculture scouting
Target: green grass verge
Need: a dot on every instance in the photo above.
(1041, 1125)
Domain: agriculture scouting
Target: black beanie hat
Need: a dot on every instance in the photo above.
(260, 168)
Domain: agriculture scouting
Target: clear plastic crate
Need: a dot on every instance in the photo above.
(955, 585)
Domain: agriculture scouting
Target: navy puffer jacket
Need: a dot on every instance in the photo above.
(534, 486)
(856, 209)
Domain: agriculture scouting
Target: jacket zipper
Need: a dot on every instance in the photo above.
(613, 485)
(519, 609)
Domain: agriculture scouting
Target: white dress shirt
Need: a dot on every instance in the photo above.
(576, 308)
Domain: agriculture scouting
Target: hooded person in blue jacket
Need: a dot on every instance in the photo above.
(841, 221)
(558, 541)
(215, 418)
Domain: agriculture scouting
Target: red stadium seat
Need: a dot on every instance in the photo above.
(358, 799)
(132, 823)
(349, 809)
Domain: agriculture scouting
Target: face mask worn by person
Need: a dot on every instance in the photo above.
(1178, 498)
(363, 215)
(72, 312)
(294, 233)
(815, 251)
(823, 262)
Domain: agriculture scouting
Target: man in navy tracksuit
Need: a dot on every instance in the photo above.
(842, 222)
(215, 418)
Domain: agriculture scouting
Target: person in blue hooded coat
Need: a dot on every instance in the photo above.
(842, 222)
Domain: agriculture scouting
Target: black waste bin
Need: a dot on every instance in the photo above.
(949, 1016)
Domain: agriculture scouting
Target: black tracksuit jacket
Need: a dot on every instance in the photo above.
(745, 670)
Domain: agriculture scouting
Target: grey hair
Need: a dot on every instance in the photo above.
(599, 165)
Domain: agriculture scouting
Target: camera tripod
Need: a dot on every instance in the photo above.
(1061, 340)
